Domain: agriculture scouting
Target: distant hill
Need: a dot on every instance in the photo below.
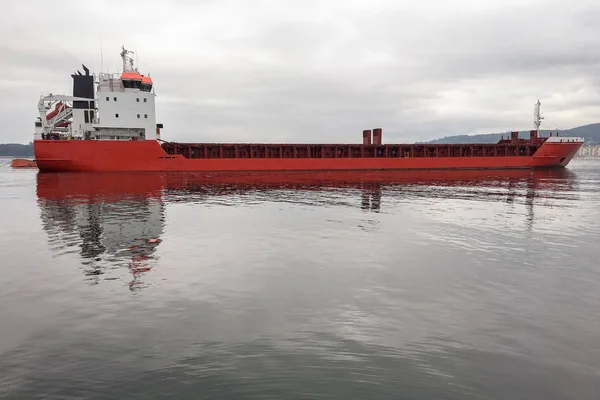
(16, 150)
(590, 133)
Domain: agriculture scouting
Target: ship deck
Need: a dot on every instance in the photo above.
(295, 151)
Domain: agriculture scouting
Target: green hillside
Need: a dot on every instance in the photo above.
(591, 134)
(16, 150)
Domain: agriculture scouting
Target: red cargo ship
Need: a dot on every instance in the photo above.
(109, 124)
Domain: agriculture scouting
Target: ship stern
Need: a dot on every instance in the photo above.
(52, 155)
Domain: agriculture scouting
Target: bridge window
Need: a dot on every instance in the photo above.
(145, 100)
(138, 115)
(114, 98)
(116, 115)
(145, 115)
(107, 98)
(138, 99)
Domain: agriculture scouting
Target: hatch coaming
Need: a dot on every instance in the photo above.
(244, 150)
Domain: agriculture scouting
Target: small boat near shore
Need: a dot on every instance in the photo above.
(23, 163)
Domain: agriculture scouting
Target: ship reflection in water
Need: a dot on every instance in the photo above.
(116, 221)
(113, 221)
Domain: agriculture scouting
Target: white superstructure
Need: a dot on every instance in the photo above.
(103, 107)
(589, 151)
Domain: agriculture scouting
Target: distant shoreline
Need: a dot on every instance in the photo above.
(16, 150)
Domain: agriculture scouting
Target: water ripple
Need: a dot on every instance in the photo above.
(331, 286)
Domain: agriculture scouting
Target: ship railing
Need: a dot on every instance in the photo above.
(565, 139)
(54, 135)
(108, 75)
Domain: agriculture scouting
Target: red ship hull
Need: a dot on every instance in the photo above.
(94, 155)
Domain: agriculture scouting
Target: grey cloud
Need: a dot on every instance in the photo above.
(316, 71)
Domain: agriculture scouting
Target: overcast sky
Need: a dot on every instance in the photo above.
(316, 71)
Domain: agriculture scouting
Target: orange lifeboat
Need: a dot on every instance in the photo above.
(131, 76)
(135, 80)
(60, 106)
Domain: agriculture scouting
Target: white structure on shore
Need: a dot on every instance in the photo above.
(589, 151)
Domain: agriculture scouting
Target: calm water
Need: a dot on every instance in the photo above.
(449, 286)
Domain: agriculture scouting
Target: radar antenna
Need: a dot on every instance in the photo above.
(537, 117)
(127, 61)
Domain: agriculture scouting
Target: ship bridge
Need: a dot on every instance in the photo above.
(126, 104)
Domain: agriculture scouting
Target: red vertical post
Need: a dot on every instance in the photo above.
(533, 136)
(367, 137)
(377, 136)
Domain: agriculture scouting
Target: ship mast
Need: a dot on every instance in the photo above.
(127, 61)
(537, 117)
